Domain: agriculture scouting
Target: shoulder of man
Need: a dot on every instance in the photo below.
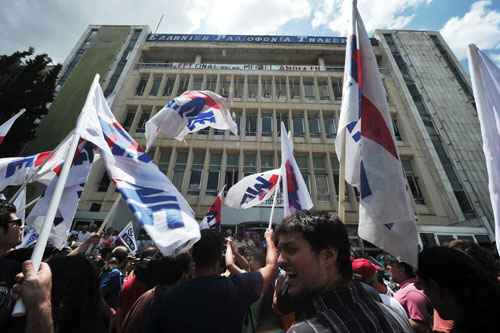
(313, 325)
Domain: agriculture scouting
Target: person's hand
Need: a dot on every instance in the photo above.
(229, 257)
(34, 288)
(268, 235)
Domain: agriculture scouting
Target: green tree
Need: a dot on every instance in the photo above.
(27, 81)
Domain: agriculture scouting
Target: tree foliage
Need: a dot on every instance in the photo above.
(27, 81)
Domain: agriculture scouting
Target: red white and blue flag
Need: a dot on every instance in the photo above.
(156, 203)
(253, 190)
(372, 164)
(296, 197)
(213, 219)
(188, 113)
(5, 127)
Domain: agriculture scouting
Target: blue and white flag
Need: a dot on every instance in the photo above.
(485, 77)
(127, 236)
(372, 164)
(296, 197)
(188, 113)
(156, 203)
(253, 190)
(73, 189)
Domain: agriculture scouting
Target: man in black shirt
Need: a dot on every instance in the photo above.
(210, 302)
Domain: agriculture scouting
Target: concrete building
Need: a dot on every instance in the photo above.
(298, 80)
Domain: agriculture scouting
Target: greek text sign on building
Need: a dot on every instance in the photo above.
(247, 39)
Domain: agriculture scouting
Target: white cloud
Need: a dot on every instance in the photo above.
(480, 25)
(252, 16)
(393, 14)
(53, 26)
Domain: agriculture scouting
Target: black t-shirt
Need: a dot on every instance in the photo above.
(205, 304)
(8, 270)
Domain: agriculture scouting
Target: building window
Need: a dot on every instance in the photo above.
(280, 82)
(267, 160)
(309, 88)
(95, 207)
(196, 171)
(294, 87)
(335, 171)
(239, 85)
(180, 166)
(183, 84)
(321, 177)
(142, 121)
(211, 82)
(249, 163)
(298, 123)
(330, 124)
(236, 114)
(314, 124)
(253, 87)
(413, 182)
(267, 86)
(267, 123)
(129, 117)
(226, 85)
(282, 117)
(197, 82)
(213, 172)
(164, 159)
(251, 123)
(428, 240)
(156, 85)
(397, 133)
(169, 86)
(337, 89)
(303, 162)
(324, 91)
(139, 91)
(104, 183)
(232, 170)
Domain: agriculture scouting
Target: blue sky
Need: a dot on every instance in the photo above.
(53, 26)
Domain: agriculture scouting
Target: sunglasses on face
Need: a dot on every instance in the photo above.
(17, 222)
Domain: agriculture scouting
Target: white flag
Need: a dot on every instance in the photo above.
(253, 190)
(372, 163)
(190, 112)
(20, 204)
(486, 85)
(127, 236)
(156, 203)
(296, 197)
(5, 127)
(68, 205)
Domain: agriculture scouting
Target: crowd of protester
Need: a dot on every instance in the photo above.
(302, 277)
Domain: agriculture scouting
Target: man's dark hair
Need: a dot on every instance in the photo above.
(407, 269)
(207, 251)
(6, 208)
(168, 270)
(322, 232)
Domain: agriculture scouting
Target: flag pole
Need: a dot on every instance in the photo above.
(341, 194)
(274, 200)
(36, 257)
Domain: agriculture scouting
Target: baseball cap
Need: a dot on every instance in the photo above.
(365, 268)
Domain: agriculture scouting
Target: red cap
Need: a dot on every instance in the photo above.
(364, 267)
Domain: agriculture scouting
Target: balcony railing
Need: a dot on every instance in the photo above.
(242, 67)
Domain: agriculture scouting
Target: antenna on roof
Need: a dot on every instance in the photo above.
(159, 22)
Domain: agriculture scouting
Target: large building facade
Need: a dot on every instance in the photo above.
(298, 80)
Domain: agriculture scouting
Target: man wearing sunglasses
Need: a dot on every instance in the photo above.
(11, 230)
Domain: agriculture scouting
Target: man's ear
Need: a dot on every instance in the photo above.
(329, 255)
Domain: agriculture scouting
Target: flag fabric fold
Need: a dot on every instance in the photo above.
(5, 127)
(158, 206)
(296, 196)
(253, 190)
(213, 219)
(485, 77)
(371, 161)
(188, 113)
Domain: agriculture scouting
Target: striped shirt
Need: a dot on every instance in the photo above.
(351, 310)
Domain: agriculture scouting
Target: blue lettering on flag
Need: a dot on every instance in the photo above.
(365, 186)
(12, 167)
(252, 192)
(350, 127)
(201, 119)
(151, 202)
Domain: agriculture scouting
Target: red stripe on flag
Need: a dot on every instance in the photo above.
(373, 127)
(359, 67)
